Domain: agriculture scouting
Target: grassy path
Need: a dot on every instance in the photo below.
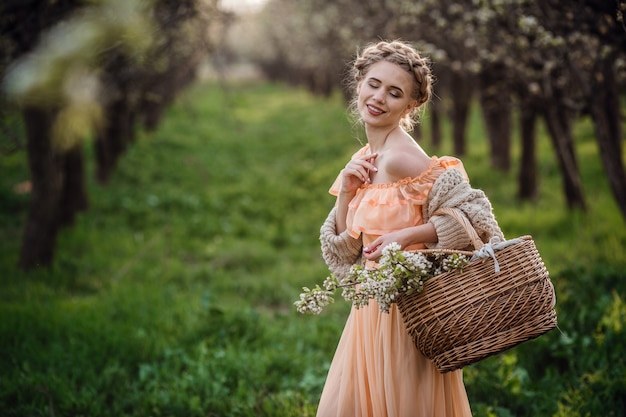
(172, 295)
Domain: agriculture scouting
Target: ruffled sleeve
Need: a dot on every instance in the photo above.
(377, 209)
(334, 189)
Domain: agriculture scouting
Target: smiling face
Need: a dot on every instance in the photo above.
(384, 95)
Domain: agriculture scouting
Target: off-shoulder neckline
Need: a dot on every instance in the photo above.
(406, 180)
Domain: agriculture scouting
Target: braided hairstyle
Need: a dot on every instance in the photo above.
(403, 54)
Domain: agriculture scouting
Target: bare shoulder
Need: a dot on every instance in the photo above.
(408, 160)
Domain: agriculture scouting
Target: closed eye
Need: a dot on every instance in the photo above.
(394, 91)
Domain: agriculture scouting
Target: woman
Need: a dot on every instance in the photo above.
(390, 191)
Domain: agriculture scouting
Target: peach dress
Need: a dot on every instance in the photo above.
(376, 370)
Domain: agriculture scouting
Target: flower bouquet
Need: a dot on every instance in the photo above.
(398, 272)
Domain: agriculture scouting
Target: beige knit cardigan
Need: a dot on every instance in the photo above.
(341, 251)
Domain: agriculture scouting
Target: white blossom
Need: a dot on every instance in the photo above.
(398, 272)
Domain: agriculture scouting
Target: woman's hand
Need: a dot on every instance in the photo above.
(374, 250)
(424, 233)
(357, 172)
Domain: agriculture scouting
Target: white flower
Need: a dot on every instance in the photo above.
(398, 272)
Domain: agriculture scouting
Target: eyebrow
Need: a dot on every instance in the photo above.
(392, 86)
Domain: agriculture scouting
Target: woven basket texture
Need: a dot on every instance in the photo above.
(462, 317)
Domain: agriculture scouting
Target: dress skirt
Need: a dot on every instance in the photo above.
(378, 372)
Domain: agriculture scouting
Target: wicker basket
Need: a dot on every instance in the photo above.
(463, 317)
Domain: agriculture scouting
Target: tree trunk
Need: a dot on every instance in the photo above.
(496, 106)
(151, 110)
(560, 129)
(74, 192)
(461, 92)
(416, 133)
(435, 124)
(605, 111)
(113, 137)
(46, 166)
(160, 90)
(527, 179)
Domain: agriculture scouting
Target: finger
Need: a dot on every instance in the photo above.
(363, 171)
(368, 162)
(359, 172)
(372, 246)
(360, 163)
(372, 255)
(369, 156)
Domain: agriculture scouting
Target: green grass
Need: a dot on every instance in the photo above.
(172, 295)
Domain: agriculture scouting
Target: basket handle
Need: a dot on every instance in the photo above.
(460, 217)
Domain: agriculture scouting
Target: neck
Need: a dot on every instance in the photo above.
(377, 137)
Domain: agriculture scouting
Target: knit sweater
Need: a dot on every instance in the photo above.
(450, 190)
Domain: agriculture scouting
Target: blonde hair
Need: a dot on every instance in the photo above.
(404, 55)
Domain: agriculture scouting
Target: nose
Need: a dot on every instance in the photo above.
(379, 95)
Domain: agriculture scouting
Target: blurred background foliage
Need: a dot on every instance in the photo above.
(202, 135)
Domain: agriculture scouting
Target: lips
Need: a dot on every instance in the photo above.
(376, 111)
